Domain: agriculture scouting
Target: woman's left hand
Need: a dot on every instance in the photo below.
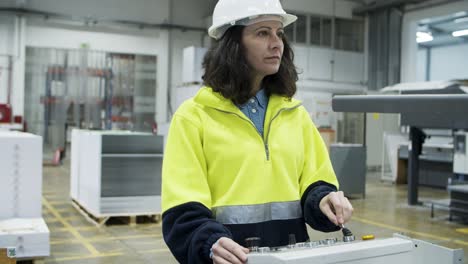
(336, 207)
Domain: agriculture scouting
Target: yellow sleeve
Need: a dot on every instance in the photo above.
(317, 164)
(184, 167)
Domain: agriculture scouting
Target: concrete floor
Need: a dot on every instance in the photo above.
(383, 212)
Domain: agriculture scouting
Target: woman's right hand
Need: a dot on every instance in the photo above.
(225, 251)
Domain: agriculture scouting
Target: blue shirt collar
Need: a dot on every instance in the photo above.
(261, 98)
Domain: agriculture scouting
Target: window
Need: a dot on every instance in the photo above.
(318, 31)
(326, 29)
(289, 32)
(349, 34)
(315, 34)
(301, 29)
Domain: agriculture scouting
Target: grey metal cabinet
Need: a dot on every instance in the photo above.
(349, 163)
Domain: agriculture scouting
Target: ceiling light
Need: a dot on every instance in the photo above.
(460, 33)
(423, 37)
(461, 20)
(459, 14)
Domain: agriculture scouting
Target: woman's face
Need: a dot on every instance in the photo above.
(264, 46)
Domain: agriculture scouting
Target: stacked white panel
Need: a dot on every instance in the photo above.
(21, 163)
(110, 176)
(29, 236)
(184, 93)
(21, 223)
(192, 69)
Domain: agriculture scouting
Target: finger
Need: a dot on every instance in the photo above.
(224, 254)
(239, 253)
(326, 210)
(336, 203)
(347, 209)
(237, 250)
(231, 250)
(219, 260)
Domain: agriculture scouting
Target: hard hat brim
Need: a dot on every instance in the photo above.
(217, 31)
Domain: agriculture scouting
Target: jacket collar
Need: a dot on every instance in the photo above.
(207, 97)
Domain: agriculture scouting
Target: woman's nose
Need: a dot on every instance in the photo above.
(276, 41)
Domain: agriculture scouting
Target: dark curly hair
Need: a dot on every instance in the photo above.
(227, 70)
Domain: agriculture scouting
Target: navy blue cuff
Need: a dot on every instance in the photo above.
(313, 216)
(209, 244)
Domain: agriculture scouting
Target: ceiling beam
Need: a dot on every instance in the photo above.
(381, 5)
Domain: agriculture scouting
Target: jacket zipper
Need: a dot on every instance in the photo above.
(265, 142)
(269, 127)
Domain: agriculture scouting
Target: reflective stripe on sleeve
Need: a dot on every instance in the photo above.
(249, 214)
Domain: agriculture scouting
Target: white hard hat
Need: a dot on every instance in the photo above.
(229, 13)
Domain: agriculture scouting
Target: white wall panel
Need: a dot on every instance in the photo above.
(319, 63)
(348, 66)
(309, 6)
(301, 58)
(449, 62)
(192, 13)
(345, 8)
(7, 27)
(339, 8)
(421, 65)
(150, 11)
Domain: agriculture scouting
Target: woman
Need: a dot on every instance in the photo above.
(243, 159)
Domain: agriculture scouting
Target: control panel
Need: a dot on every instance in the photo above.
(397, 249)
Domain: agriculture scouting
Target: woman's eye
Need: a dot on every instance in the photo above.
(280, 34)
(262, 33)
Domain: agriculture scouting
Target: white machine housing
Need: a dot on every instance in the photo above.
(398, 249)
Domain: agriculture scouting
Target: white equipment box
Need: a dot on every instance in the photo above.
(116, 172)
(21, 223)
(460, 155)
(398, 249)
(192, 69)
(21, 177)
(29, 237)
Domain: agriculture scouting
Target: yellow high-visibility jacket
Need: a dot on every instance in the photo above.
(215, 160)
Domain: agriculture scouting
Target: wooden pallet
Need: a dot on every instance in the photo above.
(31, 261)
(4, 259)
(116, 219)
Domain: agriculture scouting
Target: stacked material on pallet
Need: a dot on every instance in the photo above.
(30, 236)
(116, 173)
(21, 223)
(459, 200)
